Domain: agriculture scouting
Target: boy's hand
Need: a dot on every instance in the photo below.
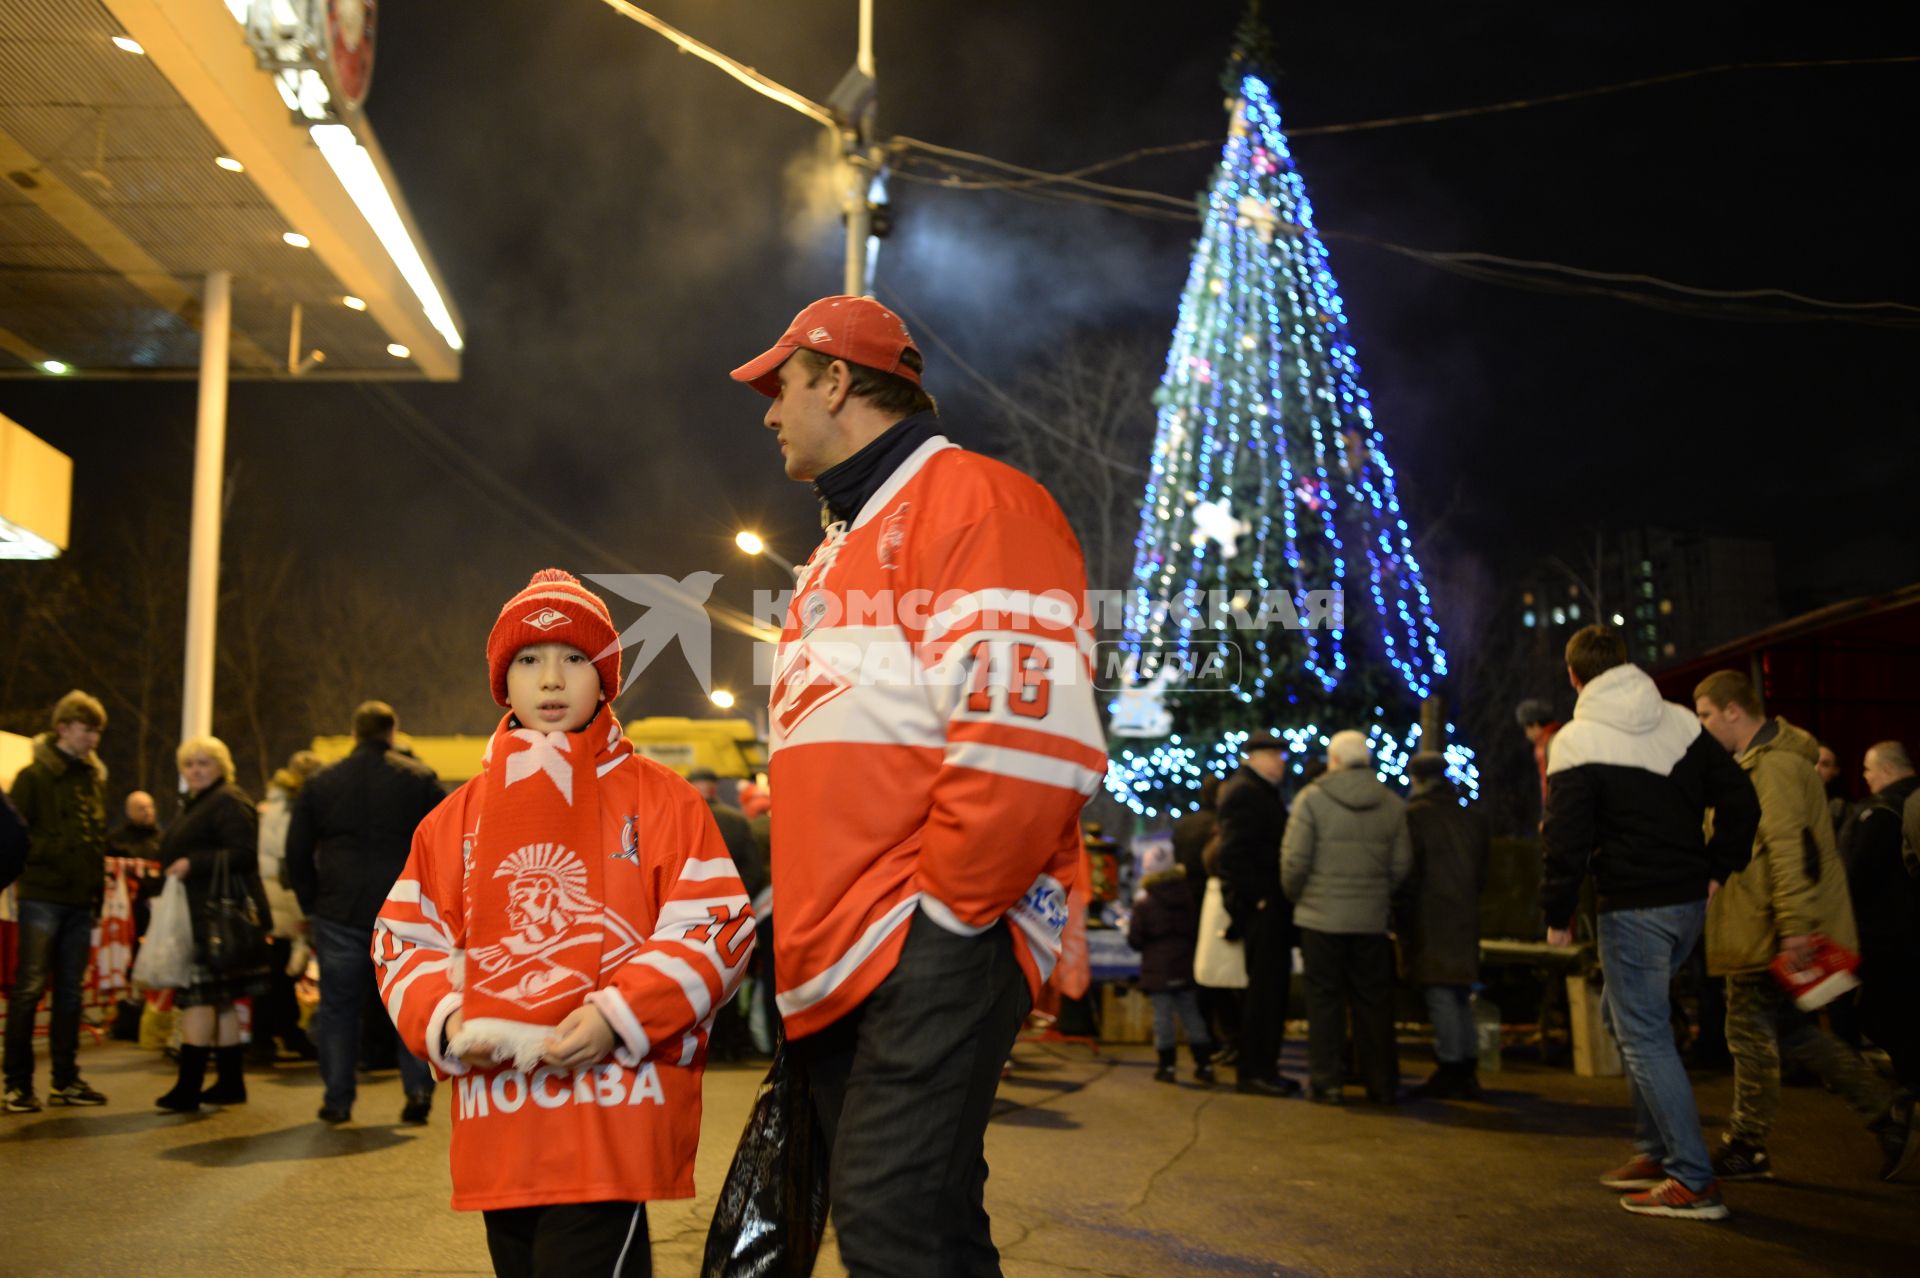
(480, 1057)
(581, 1039)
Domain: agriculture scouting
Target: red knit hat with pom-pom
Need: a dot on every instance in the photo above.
(555, 608)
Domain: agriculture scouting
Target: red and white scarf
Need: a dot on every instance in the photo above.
(538, 931)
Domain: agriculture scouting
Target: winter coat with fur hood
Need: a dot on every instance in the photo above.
(1795, 883)
(1164, 929)
(63, 801)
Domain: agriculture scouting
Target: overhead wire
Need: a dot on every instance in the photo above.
(485, 482)
(999, 396)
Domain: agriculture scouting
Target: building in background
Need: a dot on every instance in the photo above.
(1674, 594)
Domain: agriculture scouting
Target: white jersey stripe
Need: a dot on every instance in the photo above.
(807, 993)
(714, 869)
(1023, 765)
(681, 972)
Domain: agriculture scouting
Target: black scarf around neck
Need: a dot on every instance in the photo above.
(844, 487)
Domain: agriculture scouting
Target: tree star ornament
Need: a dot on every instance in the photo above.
(1213, 521)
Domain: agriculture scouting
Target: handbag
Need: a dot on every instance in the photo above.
(1217, 962)
(235, 939)
(772, 1211)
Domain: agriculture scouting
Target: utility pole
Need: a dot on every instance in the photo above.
(855, 103)
(849, 112)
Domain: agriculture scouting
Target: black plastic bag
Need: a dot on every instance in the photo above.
(773, 1207)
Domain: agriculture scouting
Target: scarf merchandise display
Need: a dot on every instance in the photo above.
(538, 933)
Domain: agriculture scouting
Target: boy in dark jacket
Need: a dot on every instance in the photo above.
(1164, 929)
(62, 797)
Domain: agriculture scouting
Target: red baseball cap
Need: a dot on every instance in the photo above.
(856, 329)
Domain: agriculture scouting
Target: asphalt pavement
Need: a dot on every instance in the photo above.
(1097, 1170)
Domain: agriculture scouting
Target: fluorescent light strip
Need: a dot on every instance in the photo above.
(18, 543)
(355, 169)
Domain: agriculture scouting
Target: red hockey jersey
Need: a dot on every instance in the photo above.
(934, 735)
(677, 929)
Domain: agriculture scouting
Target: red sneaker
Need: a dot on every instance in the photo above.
(1673, 1199)
(1639, 1172)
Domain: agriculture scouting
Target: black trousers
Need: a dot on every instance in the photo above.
(565, 1240)
(1350, 974)
(904, 1087)
(1269, 937)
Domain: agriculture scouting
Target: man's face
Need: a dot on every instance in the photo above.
(76, 738)
(1270, 764)
(553, 687)
(1725, 724)
(810, 437)
(140, 808)
(1878, 775)
(531, 902)
(1827, 766)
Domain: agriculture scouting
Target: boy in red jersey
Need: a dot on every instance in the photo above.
(563, 932)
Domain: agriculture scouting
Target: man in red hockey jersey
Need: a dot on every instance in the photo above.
(933, 741)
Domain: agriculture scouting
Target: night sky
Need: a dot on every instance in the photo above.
(621, 224)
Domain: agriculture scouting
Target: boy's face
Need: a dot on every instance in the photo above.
(553, 687)
(76, 738)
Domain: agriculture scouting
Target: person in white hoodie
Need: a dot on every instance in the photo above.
(1630, 782)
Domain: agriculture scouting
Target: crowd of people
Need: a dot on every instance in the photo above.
(559, 937)
(1713, 835)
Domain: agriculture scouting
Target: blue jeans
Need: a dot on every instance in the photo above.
(346, 973)
(1183, 1003)
(56, 941)
(1450, 1008)
(1640, 950)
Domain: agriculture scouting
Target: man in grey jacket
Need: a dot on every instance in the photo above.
(1346, 849)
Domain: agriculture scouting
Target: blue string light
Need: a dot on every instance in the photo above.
(1261, 405)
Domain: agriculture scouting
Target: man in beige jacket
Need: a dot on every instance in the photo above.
(1793, 888)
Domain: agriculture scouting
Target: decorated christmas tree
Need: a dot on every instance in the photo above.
(1269, 490)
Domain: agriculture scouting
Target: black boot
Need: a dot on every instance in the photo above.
(1469, 1083)
(1202, 1064)
(1442, 1084)
(231, 1089)
(1165, 1073)
(185, 1096)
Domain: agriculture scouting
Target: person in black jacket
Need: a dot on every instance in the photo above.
(1253, 819)
(214, 846)
(347, 841)
(1886, 909)
(1631, 781)
(1441, 935)
(1163, 928)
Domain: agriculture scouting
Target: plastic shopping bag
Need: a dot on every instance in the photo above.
(166, 955)
(773, 1207)
(1217, 962)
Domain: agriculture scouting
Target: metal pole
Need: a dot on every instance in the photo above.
(209, 463)
(859, 216)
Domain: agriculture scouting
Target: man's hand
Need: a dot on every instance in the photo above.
(581, 1039)
(1560, 937)
(1798, 949)
(178, 870)
(1713, 885)
(479, 1057)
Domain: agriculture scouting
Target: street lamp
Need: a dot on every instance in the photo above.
(752, 543)
(721, 698)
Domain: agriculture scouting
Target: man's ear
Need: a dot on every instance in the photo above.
(839, 385)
